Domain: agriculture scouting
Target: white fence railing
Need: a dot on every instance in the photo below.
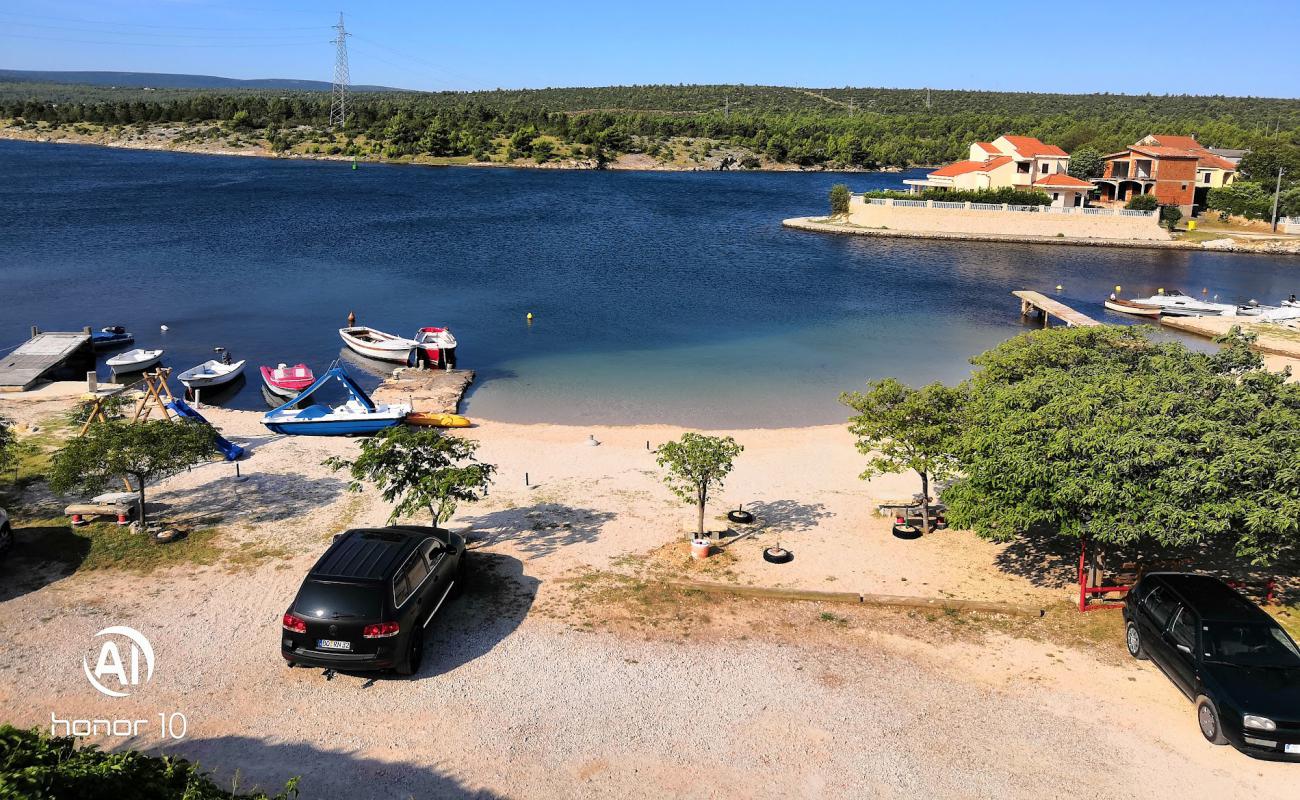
(1097, 211)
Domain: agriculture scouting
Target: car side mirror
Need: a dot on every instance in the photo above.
(1184, 648)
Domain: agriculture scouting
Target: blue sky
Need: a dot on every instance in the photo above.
(1193, 47)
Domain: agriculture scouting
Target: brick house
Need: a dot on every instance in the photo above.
(1178, 170)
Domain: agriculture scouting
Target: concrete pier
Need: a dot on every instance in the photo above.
(43, 357)
(1038, 303)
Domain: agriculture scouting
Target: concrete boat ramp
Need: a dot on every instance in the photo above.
(44, 357)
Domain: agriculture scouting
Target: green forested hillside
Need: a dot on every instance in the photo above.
(810, 127)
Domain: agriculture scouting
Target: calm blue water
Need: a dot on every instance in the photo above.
(659, 297)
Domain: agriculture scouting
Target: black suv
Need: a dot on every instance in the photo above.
(365, 604)
(1226, 654)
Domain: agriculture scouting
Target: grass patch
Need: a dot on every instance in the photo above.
(253, 554)
(107, 546)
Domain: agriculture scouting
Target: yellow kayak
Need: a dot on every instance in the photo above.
(435, 420)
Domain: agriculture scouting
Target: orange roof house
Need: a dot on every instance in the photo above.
(1018, 162)
(1178, 170)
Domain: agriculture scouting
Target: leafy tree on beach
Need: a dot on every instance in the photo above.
(140, 451)
(902, 429)
(695, 465)
(420, 469)
(1100, 433)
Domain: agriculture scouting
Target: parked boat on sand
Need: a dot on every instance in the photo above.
(358, 415)
(286, 381)
(134, 360)
(433, 419)
(377, 344)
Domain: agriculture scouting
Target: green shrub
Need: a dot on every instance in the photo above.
(839, 200)
(1170, 215)
(1142, 202)
(35, 765)
(1014, 197)
(1242, 199)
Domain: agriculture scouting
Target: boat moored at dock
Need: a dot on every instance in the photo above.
(358, 415)
(1131, 307)
(436, 347)
(211, 373)
(134, 360)
(110, 337)
(379, 345)
(287, 382)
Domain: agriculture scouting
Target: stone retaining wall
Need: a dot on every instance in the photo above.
(930, 220)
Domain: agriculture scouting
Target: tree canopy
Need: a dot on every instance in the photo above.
(417, 470)
(903, 429)
(850, 127)
(1101, 432)
(695, 465)
(141, 451)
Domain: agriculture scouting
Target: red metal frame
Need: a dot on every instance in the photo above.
(1085, 590)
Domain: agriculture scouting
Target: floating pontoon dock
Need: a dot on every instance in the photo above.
(42, 355)
(1038, 303)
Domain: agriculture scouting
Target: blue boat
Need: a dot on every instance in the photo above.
(110, 337)
(359, 415)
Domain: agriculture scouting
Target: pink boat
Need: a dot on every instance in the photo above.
(288, 381)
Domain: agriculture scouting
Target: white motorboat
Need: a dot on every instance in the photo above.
(211, 373)
(134, 360)
(1177, 304)
(377, 344)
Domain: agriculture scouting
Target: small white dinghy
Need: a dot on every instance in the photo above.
(210, 373)
(134, 360)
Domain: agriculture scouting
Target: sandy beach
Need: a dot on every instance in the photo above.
(563, 670)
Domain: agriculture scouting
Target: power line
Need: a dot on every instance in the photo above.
(339, 91)
(207, 28)
(120, 43)
(152, 35)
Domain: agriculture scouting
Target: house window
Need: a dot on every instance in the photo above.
(1207, 177)
(1183, 185)
(1056, 196)
(1047, 168)
(1023, 167)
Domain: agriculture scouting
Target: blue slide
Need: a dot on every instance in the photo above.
(231, 450)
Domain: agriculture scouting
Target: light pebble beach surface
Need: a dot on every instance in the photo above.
(525, 693)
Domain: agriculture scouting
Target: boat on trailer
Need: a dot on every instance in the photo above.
(377, 344)
(134, 360)
(1131, 307)
(286, 381)
(357, 416)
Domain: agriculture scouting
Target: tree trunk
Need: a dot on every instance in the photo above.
(144, 518)
(1096, 564)
(925, 503)
(704, 498)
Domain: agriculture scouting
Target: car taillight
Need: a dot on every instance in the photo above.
(380, 631)
(292, 623)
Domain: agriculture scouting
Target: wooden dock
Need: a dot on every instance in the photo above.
(42, 356)
(1038, 303)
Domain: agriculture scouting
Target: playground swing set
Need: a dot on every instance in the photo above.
(155, 394)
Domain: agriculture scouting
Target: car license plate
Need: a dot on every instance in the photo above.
(333, 644)
(1293, 748)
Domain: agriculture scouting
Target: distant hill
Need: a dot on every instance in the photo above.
(167, 80)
